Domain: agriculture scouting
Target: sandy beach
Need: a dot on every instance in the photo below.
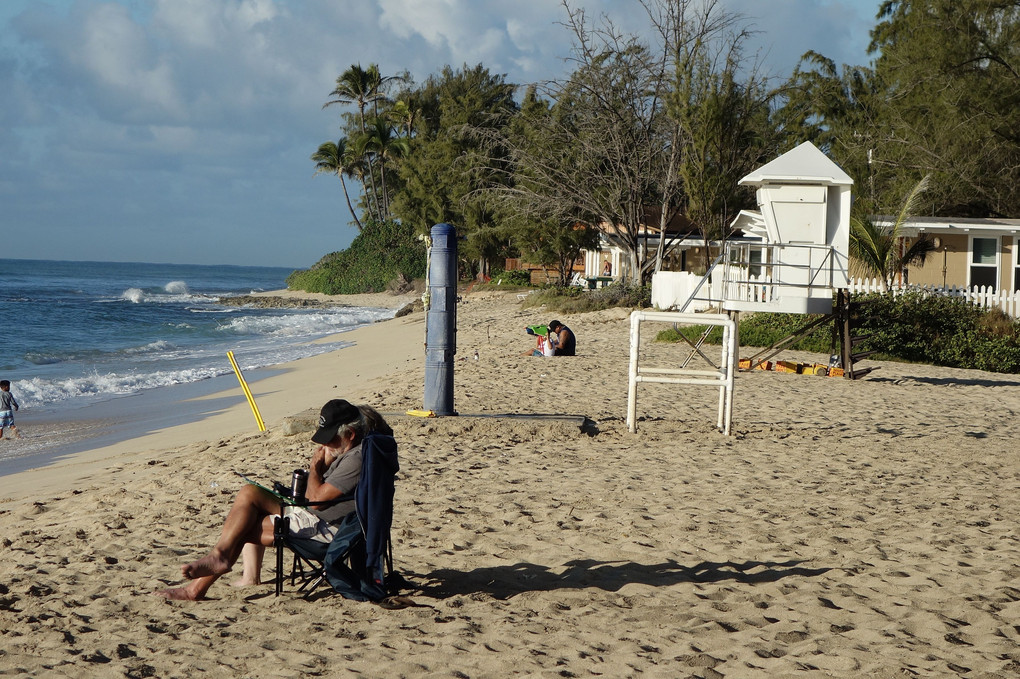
(845, 529)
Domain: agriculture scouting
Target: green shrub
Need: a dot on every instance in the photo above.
(691, 332)
(763, 330)
(576, 300)
(517, 278)
(913, 327)
(381, 253)
(946, 331)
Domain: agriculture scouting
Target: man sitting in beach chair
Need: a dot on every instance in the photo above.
(356, 562)
(334, 471)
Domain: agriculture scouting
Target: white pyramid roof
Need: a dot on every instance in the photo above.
(805, 163)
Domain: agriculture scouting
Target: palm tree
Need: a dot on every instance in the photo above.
(361, 87)
(363, 156)
(358, 86)
(878, 250)
(385, 147)
(331, 158)
(404, 117)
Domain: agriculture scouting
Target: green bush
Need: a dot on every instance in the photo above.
(913, 327)
(510, 279)
(576, 300)
(382, 252)
(763, 330)
(517, 277)
(946, 331)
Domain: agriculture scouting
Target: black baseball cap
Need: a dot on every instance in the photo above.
(334, 414)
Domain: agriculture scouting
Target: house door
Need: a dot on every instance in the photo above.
(984, 262)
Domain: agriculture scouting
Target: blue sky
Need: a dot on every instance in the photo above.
(180, 130)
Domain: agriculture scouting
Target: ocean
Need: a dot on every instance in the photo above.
(78, 335)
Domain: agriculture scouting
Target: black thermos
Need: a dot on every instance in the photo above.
(298, 485)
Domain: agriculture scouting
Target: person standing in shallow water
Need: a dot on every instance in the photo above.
(249, 527)
(7, 407)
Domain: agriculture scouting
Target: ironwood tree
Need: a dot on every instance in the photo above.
(444, 164)
(619, 141)
(941, 98)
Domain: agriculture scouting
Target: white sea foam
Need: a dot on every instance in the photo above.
(133, 295)
(159, 346)
(97, 386)
(305, 324)
(174, 291)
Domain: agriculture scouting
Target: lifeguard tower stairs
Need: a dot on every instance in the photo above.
(793, 259)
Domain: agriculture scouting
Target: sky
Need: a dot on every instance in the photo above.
(180, 130)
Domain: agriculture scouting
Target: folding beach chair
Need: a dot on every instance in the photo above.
(360, 556)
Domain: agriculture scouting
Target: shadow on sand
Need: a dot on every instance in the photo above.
(947, 381)
(503, 582)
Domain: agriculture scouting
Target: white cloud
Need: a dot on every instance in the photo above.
(203, 109)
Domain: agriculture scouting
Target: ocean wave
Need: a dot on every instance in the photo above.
(172, 292)
(303, 324)
(39, 391)
(135, 295)
(37, 358)
(159, 346)
(156, 347)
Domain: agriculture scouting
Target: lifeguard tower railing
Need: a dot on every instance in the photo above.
(755, 276)
(783, 277)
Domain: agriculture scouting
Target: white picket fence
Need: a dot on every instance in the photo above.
(984, 297)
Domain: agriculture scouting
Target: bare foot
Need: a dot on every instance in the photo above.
(246, 582)
(179, 594)
(211, 564)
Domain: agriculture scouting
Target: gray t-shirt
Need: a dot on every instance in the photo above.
(343, 474)
(7, 401)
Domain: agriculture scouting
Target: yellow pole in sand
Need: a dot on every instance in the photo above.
(247, 392)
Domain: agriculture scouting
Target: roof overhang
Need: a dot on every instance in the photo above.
(949, 225)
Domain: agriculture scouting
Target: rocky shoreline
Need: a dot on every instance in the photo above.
(280, 302)
(284, 302)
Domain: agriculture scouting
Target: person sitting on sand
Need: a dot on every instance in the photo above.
(564, 342)
(543, 346)
(333, 473)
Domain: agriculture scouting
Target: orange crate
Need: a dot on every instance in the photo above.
(835, 372)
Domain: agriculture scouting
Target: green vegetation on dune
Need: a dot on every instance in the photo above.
(382, 253)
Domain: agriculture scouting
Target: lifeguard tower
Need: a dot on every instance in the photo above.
(793, 259)
(804, 227)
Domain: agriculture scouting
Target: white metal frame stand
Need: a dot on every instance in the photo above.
(721, 377)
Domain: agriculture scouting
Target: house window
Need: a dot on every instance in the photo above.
(1016, 264)
(754, 268)
(983, 262)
